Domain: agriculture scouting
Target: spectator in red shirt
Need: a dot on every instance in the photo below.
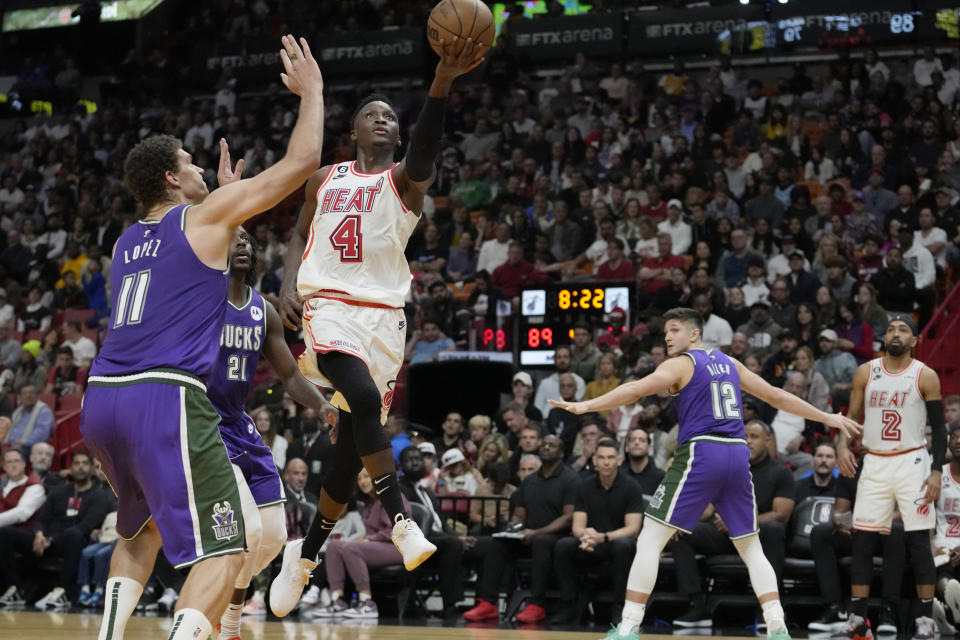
(66, 377)
(610, 340)
(656, 271)
(655, 208)
(616, 267)
(870, 261)
(838, 200)
(516, 273)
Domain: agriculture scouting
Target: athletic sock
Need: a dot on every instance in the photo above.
(190, 624)
(632, 617)
(363, 596)
(230, 620)
(387, 487)
(926, 608)
(773, 616)
(320, 528)
(858, 607)
(122, 597)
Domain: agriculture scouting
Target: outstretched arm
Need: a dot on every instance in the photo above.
(278, 355)
(417, 171)
(671, 374)
(757, 386)
(290, 304)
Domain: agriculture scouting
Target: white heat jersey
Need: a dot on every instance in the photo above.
(357, 238)
(895, 413)
(948, 512)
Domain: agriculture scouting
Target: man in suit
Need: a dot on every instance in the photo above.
(803, 284)
(313, 447)
(301, 504)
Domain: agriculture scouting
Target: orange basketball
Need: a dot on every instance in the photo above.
(460, 18)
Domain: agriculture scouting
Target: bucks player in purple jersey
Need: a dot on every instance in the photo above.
(146, 415)
(710, 466)
(253, 326)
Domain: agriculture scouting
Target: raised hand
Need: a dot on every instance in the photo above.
(226, 175)
(302, 73)
(453, 64)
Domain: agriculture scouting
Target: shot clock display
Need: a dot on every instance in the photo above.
(548, 314)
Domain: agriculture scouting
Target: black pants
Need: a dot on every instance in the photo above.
(16, 542)
(446, 563)
(707, 540)
(828, 546)
(571, 561)
(497, 556)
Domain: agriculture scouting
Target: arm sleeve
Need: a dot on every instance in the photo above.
(425, 140)
(935, 416)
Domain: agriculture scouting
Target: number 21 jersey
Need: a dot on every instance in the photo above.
(894, 414)
(357, 239)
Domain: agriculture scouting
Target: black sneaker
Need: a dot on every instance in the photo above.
(700, 617)
(887, 622)
(857, 628)
(833, 619)
(566, 617)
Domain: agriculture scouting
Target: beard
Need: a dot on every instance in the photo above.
(897, 349)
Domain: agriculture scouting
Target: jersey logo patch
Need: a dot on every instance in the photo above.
(226, 526)
(657, 498)
(403, 323)
(923, 510)
(256, 313)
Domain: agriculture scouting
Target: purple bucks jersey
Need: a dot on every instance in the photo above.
(710, 403)
(244, 330)
(167, 306)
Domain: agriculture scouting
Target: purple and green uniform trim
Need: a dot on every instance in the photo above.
(711, 464)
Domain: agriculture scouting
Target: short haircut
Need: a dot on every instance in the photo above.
(608, 442)
(17, 451)
(408, 450)
(373, 97)
(83, 453)
(146, 166)
(532, 426)
(65, 351)
(685, 315)
(514, 407)
(835, 261)
(767, 429)
(73, 323)
(498, 472)
(617, 242)
(529, 457)
(563, 347)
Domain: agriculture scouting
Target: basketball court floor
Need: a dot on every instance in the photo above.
(32, 625)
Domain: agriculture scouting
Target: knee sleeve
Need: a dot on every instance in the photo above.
(924, 571)
(351, 378)
(341, 479)
(762, 576)
(864, 545)
(274, 524)
(646, 563)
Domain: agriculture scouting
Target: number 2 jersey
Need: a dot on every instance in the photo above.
(948, 512)
(167, 307)
(356, 244)
(894, 414)
(709, 404)
(244, 330)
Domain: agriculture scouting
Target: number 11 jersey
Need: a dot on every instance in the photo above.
(357, 238)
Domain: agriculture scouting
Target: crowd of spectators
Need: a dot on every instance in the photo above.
(792, 215)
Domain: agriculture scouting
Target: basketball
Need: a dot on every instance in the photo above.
(460, 18)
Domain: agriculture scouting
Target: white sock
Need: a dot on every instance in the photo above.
(85, 589)
(363, 596)
(122, 597)
(190, 624)
(773, 616)
(335, 595)
(632, 617)
(230, 620)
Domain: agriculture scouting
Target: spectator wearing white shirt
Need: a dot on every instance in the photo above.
(717, 332)
(932, 237)
(755, 286)
(872, 63)
(6, 310)
(549, 388)
(84, 349)
(678, 230)
(616, 83)
(21, 495)
(201, 127)
(790, 428)
(493, 253)
(11, 196)
(924, 67)
(918, 260)
(779, 265)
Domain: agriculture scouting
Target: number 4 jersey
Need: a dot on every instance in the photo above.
(357, 239)
(895, 413)
(709, 404)
(167, 306)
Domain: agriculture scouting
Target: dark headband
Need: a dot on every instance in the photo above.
(904, 318)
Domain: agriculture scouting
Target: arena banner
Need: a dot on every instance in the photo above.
(371, 52)
(699, 30)
(562, 37)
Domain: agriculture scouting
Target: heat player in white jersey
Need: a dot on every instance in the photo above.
(896, 396)
(946, 540)
(351, 277)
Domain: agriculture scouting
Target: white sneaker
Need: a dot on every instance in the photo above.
(294, 575)
(56, 599)
(310, 598)
(925, 629)
(12, 597)
(410, 541)
(951, 596)
(940, 616)
(255, 605)
(167, 600)
(366, 610)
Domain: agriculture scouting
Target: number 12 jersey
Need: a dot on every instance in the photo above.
(357, 238)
